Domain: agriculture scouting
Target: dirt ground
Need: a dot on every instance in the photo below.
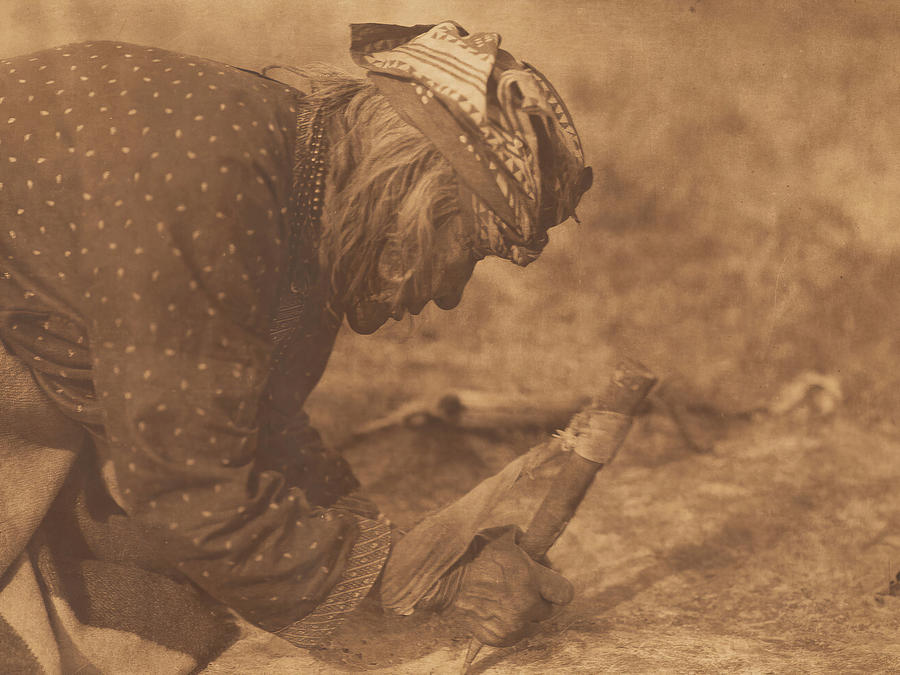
(762, 556)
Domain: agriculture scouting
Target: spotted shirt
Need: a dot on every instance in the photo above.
(145, 210)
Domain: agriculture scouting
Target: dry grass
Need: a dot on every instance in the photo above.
(742, 227)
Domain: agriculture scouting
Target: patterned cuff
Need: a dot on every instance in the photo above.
(364, 564)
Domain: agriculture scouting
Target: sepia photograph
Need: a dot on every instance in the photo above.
(461, 336)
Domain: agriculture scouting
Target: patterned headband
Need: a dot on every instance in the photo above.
(497, 121)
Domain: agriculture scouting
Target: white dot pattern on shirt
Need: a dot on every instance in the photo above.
(105, 135)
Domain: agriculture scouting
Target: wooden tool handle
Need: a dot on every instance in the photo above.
(629, 385)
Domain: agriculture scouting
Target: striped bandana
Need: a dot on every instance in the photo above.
(497, 120)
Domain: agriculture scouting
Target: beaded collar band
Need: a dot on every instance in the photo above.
(309, 181)
(310, 149)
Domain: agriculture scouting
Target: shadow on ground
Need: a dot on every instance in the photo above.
(762, 556)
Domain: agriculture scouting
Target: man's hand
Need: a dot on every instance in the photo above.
(504, 593)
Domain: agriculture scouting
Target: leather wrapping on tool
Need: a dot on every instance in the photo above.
(596, 435)
(419, 559)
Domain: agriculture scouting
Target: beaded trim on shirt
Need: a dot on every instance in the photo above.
(310, 148)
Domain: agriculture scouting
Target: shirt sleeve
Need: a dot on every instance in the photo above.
(181, 402)
(178, 317)
(293, 447)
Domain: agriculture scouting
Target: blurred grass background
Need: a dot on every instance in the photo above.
(743, 223)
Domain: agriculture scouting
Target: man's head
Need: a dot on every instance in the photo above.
(452, 151)
(393, 236)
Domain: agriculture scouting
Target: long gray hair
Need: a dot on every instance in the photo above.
(388, 189)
